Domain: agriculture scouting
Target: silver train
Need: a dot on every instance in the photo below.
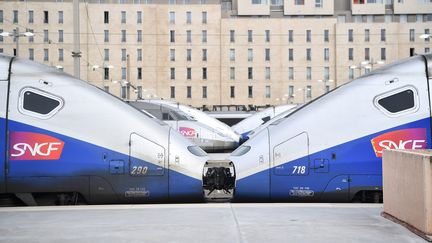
(206, 137)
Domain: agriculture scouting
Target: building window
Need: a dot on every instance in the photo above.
(188, 36)
(1, 17)
(427, 50)
(309, 91)
(60, 17)
(326, 36)
(250, 36)
(427, 32)
(298, 2)
(383, 35)
(204, 73)
(123, 17)
(172, 73)
(106, 17)
(291, 73)
(123, 55)
(60, 55)
(267, 73)
(290, 54)
(45, 17)
(188, 17)
(290, 91)
(123, 36)
(411, 35)
(1, 50)
(318, 3)
(31, 38)
(188, 73)
(232, 91)
(367, 35)
(139, 73)
(172, 36)
(139, 92)
(46, 55)
(189, 55)
(350, 73)
(139, 54)
(106, 54)
(350, 54)
(267, 36)
(232, 36)
(60, 36)
(106, 73)
(172, 92)
(383, 54)
(250, 55)
(172, 17)
(172, 55)
(250, 73)
(290, 36)
(123, 73)
(204, 92)
(139, 35)
(31, 54)
(15, 17)
(326, 73)
(204, 36)
(326, 54)
(232, 73)
(46, 38)
(106, 35)
(189, 92)
(30, 16)
(250, 91)
(139, 17)
(267, 92)
(308, 73)
(308, 35)
(256, 1)
(232, 54)
(350, 35)
(308, 54)
(204, 17)
(367, 56)
(204, 55)
(267, 54)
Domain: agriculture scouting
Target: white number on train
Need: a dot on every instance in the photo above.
(299, 170)
(139, 170)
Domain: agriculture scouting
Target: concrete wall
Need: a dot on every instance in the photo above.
(407, 187)
(412, 7)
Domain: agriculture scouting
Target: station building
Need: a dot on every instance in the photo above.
(212, 52)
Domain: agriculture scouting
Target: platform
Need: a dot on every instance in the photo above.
(223, 222)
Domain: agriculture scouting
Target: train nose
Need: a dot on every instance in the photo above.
(219, 180)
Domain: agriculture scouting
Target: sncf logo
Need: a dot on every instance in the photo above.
(414, 138)
(187, 132)
(34, 146)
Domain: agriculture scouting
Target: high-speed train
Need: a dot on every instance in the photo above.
(331, 148)
(63, 141)
(255, 120)
(202, 118)
(204, 136)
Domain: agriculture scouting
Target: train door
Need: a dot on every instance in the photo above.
(4, 75)
(290, 169)
(147, 170)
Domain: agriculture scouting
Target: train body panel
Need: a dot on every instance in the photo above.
(331, 148)
(4, 76)
(67, 136)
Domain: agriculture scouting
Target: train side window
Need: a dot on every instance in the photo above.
(398, 101)
(37, 103)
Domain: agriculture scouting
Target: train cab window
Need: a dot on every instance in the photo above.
(167, 116)
(397, 102)
(38, 103)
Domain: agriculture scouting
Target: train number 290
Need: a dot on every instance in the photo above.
(299, 170)
(139, 170)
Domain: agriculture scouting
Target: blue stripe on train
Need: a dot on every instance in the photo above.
(81, 158)
(354, 165)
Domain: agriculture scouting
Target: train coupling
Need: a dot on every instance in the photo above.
(218, 180)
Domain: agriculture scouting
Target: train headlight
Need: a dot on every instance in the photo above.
(241, 151)
(197, 151)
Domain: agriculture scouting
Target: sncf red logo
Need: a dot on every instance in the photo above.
(187, 132)
(34, 146)
(414, 138)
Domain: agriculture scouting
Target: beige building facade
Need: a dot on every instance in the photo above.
(239, 52)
